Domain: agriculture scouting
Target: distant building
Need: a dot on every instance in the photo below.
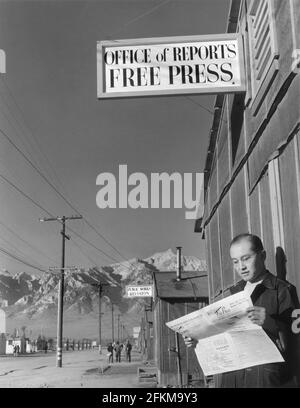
(2, 344)
(11, 343)
(2, 321)
(136, 332)
(3, 303)
(25, 346)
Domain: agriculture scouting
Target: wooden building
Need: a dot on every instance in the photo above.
(2, 344)
(252, 176)
(146, 341)
(176, 364)
(2, 321)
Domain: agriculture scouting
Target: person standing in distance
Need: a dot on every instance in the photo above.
(128, 348)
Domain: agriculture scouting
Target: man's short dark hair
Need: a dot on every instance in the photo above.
(257, 245)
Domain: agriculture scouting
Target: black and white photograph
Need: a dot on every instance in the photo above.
(150, 197)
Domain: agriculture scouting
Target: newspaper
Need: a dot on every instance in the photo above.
(227, 339)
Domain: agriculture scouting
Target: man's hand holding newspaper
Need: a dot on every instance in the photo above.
(227, 335)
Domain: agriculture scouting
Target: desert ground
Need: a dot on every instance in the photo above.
(80, 369)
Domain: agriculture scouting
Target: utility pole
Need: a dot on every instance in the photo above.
(112, 322)
(99, 286)
(119, 328)
(61, 284)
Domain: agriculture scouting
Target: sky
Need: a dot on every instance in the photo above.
(54, 128)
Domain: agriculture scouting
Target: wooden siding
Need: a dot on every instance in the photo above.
(209, 264)
(172, 300)
(216, 258)
(266, 222)
(166, 357)
(254, 211)
(223, 154)
(225, 236)
(261, 190)
(290, 205)
(238, 202)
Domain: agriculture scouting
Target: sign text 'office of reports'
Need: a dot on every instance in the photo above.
(175, 65)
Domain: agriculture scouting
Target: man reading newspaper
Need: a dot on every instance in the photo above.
(274, 301)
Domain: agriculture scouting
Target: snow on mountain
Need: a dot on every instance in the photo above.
(14, 287)
(160, 261)
(35, 298)
(167, 261)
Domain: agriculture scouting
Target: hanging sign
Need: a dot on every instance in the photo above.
(170, 66)
(139, 291)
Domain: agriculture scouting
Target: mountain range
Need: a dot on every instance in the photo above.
(31, 300)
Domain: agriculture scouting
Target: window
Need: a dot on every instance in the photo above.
(263, 48)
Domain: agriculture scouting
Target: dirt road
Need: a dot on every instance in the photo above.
(81, 369)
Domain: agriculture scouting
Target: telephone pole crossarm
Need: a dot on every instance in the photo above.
(62, 220)
(99, 286)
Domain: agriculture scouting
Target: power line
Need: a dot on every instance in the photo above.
(56, 190)
(140, 16)
(24, 194)
(40, 172)
(36, 168)
(84, 253)
(134, 19)
(199, 104)
(13, 125)
(18, 251)
(51, 215)
(203, 107)
(143, 15)
(61, 284)
(89, 258)
(26, 242)
(21, 260)
(100, 235)
(28, 128)
(43, 209)
(94, 246)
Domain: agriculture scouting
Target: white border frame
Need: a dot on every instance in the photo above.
(101, 45)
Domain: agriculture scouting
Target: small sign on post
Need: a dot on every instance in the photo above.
(209, 64)
(139, 291)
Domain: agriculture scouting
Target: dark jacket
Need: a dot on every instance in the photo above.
(118, 348)
(279, 298)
